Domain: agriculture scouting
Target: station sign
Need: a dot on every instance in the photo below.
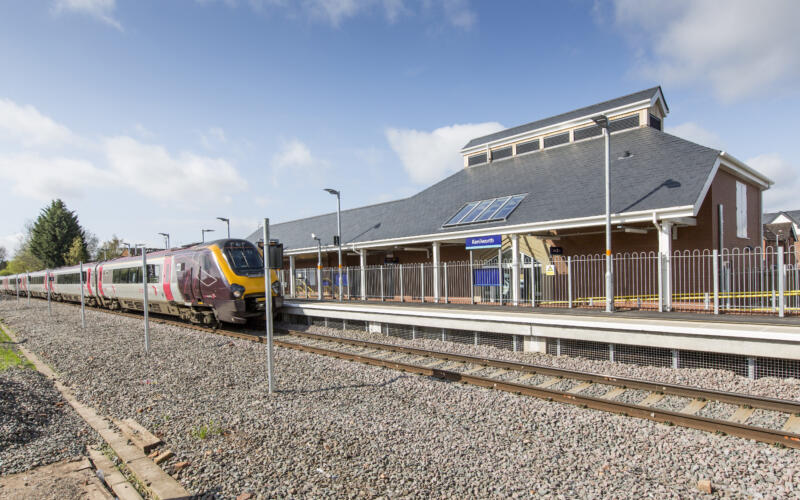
(556, 250)
(493, 241)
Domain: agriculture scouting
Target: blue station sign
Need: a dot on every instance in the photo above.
(493, 241)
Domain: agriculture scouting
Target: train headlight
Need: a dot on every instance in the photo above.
(237, 290)
(276, 288)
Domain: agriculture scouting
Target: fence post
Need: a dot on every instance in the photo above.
(435, 269)
(471, 280)
(47, 284)
(715, 271)
(533, 283)
(445, 283)
(781, 283)
(382, 294)
(402, 295)
(422, 281)
(347, 282)
(569, 281)
(500, 275)
(83, 309)
(660, 284)
(362, 263)
(292, 278)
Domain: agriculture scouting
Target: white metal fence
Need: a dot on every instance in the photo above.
(742, 281)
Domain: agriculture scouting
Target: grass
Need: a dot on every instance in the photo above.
(10, 358)
(205, 430)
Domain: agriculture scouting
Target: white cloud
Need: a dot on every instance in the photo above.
(11, 243)
(459, 13)
(737, 47)
(783, 194)
(295, 161)
(184, 178)
(44, 178)
(102, 10)
(26, 125)
(429, 156)
(695, 133)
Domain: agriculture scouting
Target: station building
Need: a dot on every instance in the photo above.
(541, 185)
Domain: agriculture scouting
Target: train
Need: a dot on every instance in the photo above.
(210, 283)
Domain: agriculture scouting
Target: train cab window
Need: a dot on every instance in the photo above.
(244, 258)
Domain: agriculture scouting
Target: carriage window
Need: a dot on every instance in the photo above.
(153, 273)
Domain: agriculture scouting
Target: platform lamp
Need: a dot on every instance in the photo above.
(204, 234)
(166, 240)
(602, 122)
(338, 241)
(228, 222)
(319, 265)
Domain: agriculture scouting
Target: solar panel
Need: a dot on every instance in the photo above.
(461, 213)
(493, 207)
(475, 213)
(509, 207)
(486, 210)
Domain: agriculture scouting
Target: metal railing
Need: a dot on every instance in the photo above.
(741, 281)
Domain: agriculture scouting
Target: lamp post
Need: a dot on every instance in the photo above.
(319, 265)
(602, 122)
(204, 234)
(228, 222)
(166, 240)
(338, 233)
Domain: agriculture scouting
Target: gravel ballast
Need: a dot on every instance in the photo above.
(721, 380)
(337, 428)
(37, 426)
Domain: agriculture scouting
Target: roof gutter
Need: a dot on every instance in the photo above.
(745, 170)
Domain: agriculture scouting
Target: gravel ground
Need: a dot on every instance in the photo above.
(715, 409)
(768, 419)
(597, 390)
(341, 429)
(672, 403)
(37, 427)
(632, 396)
(706, 378)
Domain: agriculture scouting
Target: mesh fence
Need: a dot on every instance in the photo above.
(643, 355)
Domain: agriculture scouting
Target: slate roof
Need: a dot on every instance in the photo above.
(562, 183)
(794, 215)
(594, 109)
(781, 229)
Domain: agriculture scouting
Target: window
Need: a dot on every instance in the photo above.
(741, 209)
(655, 121)
(153, 273)
(586, 132)
(555, 140)
(69, 279)
(243, 257)
(476, 159)
(498, 154)
(623, 123)
(527, 147)
(486, 210)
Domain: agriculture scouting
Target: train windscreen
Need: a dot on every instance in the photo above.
(244, 258)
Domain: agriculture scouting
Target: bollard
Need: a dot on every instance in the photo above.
(382, 293)
(422, 281)
(569, 281)
(445, 282)
(402, 295)
(715, 271)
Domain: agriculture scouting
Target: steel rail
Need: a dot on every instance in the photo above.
(771, 436)
(760, 402)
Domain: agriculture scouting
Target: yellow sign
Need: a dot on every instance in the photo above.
(550, 270)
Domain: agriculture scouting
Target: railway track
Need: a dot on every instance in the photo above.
(666, 403)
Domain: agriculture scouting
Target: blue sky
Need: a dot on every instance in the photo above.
(159, 116)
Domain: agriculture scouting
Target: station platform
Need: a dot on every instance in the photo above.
(729, 334)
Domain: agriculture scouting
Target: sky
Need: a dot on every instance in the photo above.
(149, 116)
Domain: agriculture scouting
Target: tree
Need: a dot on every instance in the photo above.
(54, 234)
(77, 252)
(110, 249)
(3, 258)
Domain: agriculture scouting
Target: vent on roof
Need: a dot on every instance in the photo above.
(476, 159)
(527, 147)
(586, 132)
(486, 210)
(655, 121)
(501, 153)
(623, 123)
(555, 140)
